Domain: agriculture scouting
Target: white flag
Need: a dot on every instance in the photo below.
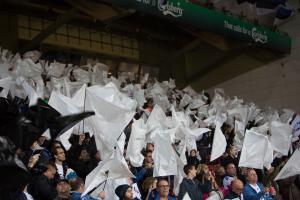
(113, 168)
(219, 144)
(256, 151)
(186, 197)
(281, 137)
(67, 106)
(114, 111)
(164, 155)
(291, 168)
(156, 119)
(30, 92)
(136, 143)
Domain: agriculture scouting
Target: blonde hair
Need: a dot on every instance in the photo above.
(201, 168)
(148, 183)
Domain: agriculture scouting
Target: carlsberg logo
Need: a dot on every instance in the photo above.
(168, 8)
(259, 36)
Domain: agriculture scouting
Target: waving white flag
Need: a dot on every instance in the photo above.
(281, 137)
(114, 111)
(66, 106)
(156, 119)
(113, 168)
(291, 168)
(136, 143)
(219, 144)
(164, 155)
(257, 151)
(30, 92)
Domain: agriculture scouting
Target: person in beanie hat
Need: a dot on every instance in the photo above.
(124, 192)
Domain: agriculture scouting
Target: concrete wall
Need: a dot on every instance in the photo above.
(275, 84)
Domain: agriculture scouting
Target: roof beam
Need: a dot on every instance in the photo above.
(99, 11)
(216, 40)
(62, 19)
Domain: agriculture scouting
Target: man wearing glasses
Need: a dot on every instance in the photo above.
(162, 191)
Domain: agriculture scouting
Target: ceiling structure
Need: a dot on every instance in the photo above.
(161, 42)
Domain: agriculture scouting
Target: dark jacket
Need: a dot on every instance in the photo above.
(42, 188)
(192, 160)
(83, 168)
(229, 159)
(193, 188)
(233, 196)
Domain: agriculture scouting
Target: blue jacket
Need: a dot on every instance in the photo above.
(77, 196)
(155, 196)
(250, 194)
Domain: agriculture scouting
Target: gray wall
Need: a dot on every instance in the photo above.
(276, 84)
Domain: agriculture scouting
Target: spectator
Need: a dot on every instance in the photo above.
(230, 176)
(231, 157)
(254, 190)
(61, 167)
(192, 158)
(41, 187)
(220, 174)
(79, 155)
(162, 191)
(63, 189)
(217, 193)
(36, 149)
(236, 190)
(83, 165)
(205, 177)
(192, 186)
(124, 192)
(148, 186)
(71, 175)
(77, 187)
(148, 164)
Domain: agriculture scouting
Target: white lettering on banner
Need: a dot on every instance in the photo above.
(257, 35)
(168, 8)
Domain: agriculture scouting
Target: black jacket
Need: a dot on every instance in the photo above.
(41, 188)
(193, 188)
(232, 196)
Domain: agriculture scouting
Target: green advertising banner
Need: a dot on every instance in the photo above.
(210, 20)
